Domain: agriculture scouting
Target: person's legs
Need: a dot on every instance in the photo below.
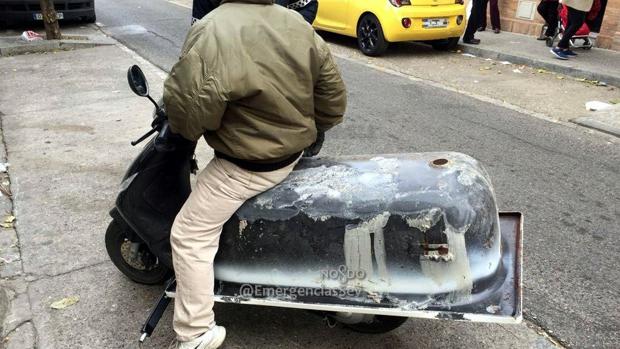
(575, 21)
(552, 17)
(221, 188)
(494, 15)
(548, 10)
(483, 18)
(473, 23)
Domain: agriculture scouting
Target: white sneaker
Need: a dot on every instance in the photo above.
(211, 339)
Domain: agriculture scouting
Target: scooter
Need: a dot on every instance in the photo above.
(364, 241)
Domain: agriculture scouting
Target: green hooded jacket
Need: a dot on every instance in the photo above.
(256, 80)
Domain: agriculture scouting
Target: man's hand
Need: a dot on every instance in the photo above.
(315, 147)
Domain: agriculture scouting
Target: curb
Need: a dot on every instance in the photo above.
(570, 71)
(40, 46)
(594, 123)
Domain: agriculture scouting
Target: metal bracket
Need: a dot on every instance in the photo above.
(156, 313)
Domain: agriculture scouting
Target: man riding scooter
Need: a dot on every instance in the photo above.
(259, 98)
(306, 8)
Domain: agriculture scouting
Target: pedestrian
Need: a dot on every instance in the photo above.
(306, 8)
(595, 21)
(262, 87)
(548, 10)
(578, 10)
(475, 19)
(494, 13)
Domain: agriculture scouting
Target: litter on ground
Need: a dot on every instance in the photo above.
(597, 105)
(64, 303)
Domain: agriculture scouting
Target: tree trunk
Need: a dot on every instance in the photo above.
(52, 31)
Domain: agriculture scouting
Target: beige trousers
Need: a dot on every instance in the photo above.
(221, 188)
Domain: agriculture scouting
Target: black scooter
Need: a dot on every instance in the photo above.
(363, 241)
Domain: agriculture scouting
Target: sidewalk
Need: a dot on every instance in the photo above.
(68, 146)
(595, 64)
(12, 44)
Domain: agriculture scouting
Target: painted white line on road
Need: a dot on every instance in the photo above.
(182, 3)
(143, 62)
(131, 29)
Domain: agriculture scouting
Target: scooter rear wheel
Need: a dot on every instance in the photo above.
(139, 265)
(379, 324)
(366, 323)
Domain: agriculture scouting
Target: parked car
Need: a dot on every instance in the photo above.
(14, 12)
(376, 23)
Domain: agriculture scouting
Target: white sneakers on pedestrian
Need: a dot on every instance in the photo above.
(211, 339)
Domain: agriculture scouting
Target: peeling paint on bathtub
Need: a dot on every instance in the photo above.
(425, 219)
(359, 241)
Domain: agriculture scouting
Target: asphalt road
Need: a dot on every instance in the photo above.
(564, 179)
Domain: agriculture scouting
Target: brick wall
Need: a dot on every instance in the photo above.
(608, 38)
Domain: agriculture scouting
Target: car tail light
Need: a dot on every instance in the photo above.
(406, 22)
(459, 2)
(399, 3)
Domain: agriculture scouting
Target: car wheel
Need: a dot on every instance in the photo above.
(445, 44)
(133, 259)
(370, 37)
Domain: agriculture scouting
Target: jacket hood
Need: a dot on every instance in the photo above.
(263, 2)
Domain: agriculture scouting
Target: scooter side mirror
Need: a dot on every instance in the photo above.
(137, 81)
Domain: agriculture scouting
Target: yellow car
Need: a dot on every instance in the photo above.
(376, 23)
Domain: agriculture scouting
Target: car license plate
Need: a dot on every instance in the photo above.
(434, 22)
(39, 16)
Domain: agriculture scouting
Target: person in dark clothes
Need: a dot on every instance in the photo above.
(577, 12)
(307, 8)
(548, 10)
(494, 12)
(595, 22)
(474, 21)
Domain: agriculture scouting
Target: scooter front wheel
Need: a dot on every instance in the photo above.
(134, 258)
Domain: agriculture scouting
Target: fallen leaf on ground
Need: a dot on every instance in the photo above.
(6, 225)
(9, 219)
(65, 302)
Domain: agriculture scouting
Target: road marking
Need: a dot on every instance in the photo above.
(182, 3)
(143, 62)
(131, 29)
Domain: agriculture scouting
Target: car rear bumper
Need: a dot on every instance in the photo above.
(20, 11)
(394, 31)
